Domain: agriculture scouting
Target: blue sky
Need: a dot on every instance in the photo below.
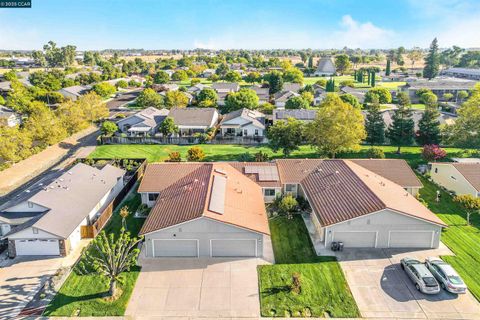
(251, 24)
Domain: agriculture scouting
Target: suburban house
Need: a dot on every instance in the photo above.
(207, 73)
(325, 67)
(319, 94)
(282, 97)
(464, 73)
(194, 120)
(367, 203)
(356, 92)
(243, 123)
(74, 92)
(5, 86)
(262, 93)
(291, 86)
(9, 117)
(142, 123)
(165, 87)
(443, 118)
(196, 88)
(52, 221)
(438, 86)
(458, 177)
(304, 115)
(202, 210)
(223, 89)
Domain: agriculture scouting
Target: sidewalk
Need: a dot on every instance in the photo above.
(25, 170)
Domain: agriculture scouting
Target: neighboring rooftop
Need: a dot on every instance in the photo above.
(250, 116)
(226, 86)
(471, 172)
(299, 114)
(441, 84)
(290, 86)
(193, 116)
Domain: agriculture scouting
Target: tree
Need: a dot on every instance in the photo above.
(2, 101)
(149, 98)
(109, 256)
(195, 154)
(462, 95)
(293, 75)
(470, 203)
(195, 81)
(403, 99)
(285, 135)
(401, 130)
(388, 68)
(122, 84)
(342, 63)
(109, 128)
(275, 81)
(245, 98)
(94, 108)
(104, 89)
(414, 56)
(168, 127)
(429, 128)
(233, 76)
(39, 58)
(351, 99)
(337, 127)
(432, 61)
(447, 96)
(287, 205)
(298, 102)
(310, 62)
(253, 77)
(124, 213)
(330, 85)
(207, 98)
(432, 152)
(308, 96)
(175, 99)
(16, 145)
(44, 126)
(383, 94)
(374, 124)
(222, 69)
(429, 99)
(161, 77)
(179, 75)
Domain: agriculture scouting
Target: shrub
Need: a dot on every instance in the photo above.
(261, 156)
(375, 153)
(347, 83)
(287, 205)
(174, 157)
(433, 152)
(202, 137)
(104, 89)
(122, 84)
(245, 157)
(109, 128)
(195, 154)
(383, 94)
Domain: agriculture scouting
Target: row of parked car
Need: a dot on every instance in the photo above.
(434, 273)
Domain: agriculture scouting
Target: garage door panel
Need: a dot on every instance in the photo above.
(233, 248)
(175, 248)
(410, 239)
(37, 247)
(354, 239)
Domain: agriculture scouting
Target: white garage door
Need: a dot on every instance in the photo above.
(37, 247)
(175, 248)
(410, 239)
(233, 248)
(356, 239)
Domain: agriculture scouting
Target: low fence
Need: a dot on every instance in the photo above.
(181, 140)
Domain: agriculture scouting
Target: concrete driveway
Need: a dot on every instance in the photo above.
(207, 288)
(383, 290)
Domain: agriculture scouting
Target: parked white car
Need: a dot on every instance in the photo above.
(446, 275)
(422, 278)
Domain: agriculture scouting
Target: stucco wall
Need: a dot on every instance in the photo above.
(447, 176)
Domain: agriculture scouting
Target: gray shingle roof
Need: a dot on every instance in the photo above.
(226, 86)
(193, 116)
(252, 116)
(299, 114)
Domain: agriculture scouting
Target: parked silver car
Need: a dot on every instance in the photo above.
(446, 275)
(422, 278)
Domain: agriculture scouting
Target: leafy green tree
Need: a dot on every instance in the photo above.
(16, 145)
(288, 204)
(374, 124)
(383, 94)
(233, 76)
(161, 77)
(293, 75)
(104, 89)
(310, 62)
(94, 108)
(109, 128)
(414, 56)
(245, 98)
(337, 127)
(462, 95)
(149, 98)
(342, 63)
(388, 68)
(470, 203)
(429, 128)
(175, 99)
(207, 98)
(222, 69)
(2, 101)
(122, 84)
(429, 99)
(432, 61)
(44, 126)
(447, 96)
(168, 127)
(195, 154)
(39, 58)
(180, 75)
(298, 102)
(286, 136)
(401, 130)
(109, 256)
(253, 77)
(330, 85)
(275, 81)
(10, 75)
(351, 99)
(403, 99)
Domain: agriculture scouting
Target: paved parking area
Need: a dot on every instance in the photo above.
(383, 290)
(207, 288)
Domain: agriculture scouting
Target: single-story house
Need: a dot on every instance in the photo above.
(304, 115)
(243, 123)
(356, 92)
(282, 97)
(50, 222)
(9, 117)
(464, 73)
(360, 207)
(262, 93)
(223, 89)
(291, 86)
(142, 123)
(325, 67)
(194, 120)
(196, 88)
(74, 92)
(202, 210)
(165, 87)
(438, 86)
(207, 73)
(458, 177)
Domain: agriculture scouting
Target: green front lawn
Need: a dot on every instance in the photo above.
(83, 295)
(463, 240)
(324, 290)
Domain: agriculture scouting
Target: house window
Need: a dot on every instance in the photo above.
(35, 230)
(245, 132)
(152, 196)
(256, 132)
(290, 188)
(269, 192)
